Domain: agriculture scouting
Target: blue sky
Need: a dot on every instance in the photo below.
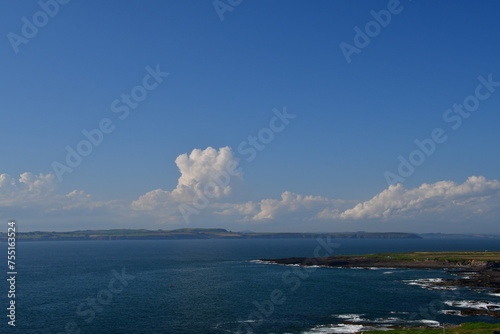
(354, 119)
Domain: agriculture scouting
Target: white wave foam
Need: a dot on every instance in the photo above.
(390, 320)
(248, 320)
(281, 264)
(474, 304)
(451, 312)
(441, 287)
(380, 324)
(429, 283)
(399, 321)
(350, 317)
(424, 281)
(432, 280)
(261, 262)
(432, 323)
(340, 328)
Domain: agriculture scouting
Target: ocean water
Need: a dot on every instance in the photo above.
(214, 286)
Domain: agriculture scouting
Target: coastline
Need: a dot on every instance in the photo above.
(467, 327)
(473, 269)
(481, 262)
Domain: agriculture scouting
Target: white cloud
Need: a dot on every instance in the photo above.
(39, 191)
(201, 187)
(291, 206)
(207, 177)
(240, 211)
(477, 195)
(155, 199)
(29, 188)
(35, 200)
(308, 207)
(206, 183)
(203, 171)
(443, 200)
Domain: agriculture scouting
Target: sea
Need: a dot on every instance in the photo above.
(220, 286)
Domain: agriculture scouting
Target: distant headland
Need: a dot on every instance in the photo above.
(192, 233)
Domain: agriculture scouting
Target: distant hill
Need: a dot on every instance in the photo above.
(447, 235)
(191, 233)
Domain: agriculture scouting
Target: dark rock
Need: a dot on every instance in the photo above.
(472, 312)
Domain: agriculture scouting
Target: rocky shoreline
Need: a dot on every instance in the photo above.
(389, 262)
(470, 273)
(488, 278)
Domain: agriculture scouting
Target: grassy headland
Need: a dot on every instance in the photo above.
(430, 260)
(465, 328)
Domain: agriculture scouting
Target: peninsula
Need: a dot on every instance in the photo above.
(479, 269)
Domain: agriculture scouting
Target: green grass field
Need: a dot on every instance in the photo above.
(465, 328)
(440, 256)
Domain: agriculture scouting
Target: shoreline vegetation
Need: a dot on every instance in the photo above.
(464, 328)
(193, 233)
(480, 269)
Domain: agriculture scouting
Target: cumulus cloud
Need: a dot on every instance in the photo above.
(242, 211)
(206, 177)
(204, 184)
(206, 173)
(476, 195)
(309, 206)
(205, 187)
(199, 192)
(39, 191)
(28, 188)
(35, 200)
(291, 206)
(446, 201)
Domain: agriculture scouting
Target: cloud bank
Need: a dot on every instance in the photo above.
(37, 203)
(210, 178)
(475, 196)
